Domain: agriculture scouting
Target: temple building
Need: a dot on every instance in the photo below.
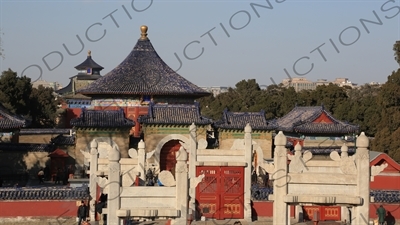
(316, 129)
(88, 72)
(142, 78)
(153, 99)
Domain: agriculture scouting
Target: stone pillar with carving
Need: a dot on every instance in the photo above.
(280, 209)
(182, 186)
(363, 178)
(192, 167)
(94, 154)
(141, 160)
(248, 148)
(113, 203)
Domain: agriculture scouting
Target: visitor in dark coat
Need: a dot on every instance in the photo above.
(82, 213)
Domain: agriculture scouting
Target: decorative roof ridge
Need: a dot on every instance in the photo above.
(45, 130)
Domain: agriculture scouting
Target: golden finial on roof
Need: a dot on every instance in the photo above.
(144, 32)
(89, 53)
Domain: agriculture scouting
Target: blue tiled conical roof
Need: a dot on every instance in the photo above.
(89, 63)
(143, 72)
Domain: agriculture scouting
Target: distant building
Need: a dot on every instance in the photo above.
(299, 83)
(342, 82)
(302, 83)
(374, 83)
(55, 85)
(216, 90)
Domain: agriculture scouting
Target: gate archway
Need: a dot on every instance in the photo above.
(168, 156)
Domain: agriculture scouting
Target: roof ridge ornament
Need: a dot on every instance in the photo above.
(89, 53)
(144, 29)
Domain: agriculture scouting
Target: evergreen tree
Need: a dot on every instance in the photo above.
(44, 107)
(388, 125)
(36, 104)
(15, 92)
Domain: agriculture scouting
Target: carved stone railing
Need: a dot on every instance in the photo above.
(386, 196)
(259, 193)
(44, 193)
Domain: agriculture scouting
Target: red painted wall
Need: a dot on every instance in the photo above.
(265, 209)
(38, 208)
(382, 182)
(393, 209)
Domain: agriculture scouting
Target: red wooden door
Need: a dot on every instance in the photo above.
(221, 193)
(232, 193)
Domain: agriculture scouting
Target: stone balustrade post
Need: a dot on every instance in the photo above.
(182, 186)
(361, 212)
(248, 148)
(192, 167)
(114, 178)
(94, 154)
(141, 160)
(280, 209)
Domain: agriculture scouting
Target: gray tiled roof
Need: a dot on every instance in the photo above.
(179, 114)
(89, 63)
(239, 120)
(27, 147)
(143, 72)
(102, 119)
(45, 131)
(63, 140)
(10, 121)
(300, 120)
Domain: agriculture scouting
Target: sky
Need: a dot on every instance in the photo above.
(210, 43)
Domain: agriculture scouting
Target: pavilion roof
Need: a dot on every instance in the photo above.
(304, 120)
(239, 120)
(143, 72)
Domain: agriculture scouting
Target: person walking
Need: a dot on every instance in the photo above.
(381, 212)
(82, 213)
